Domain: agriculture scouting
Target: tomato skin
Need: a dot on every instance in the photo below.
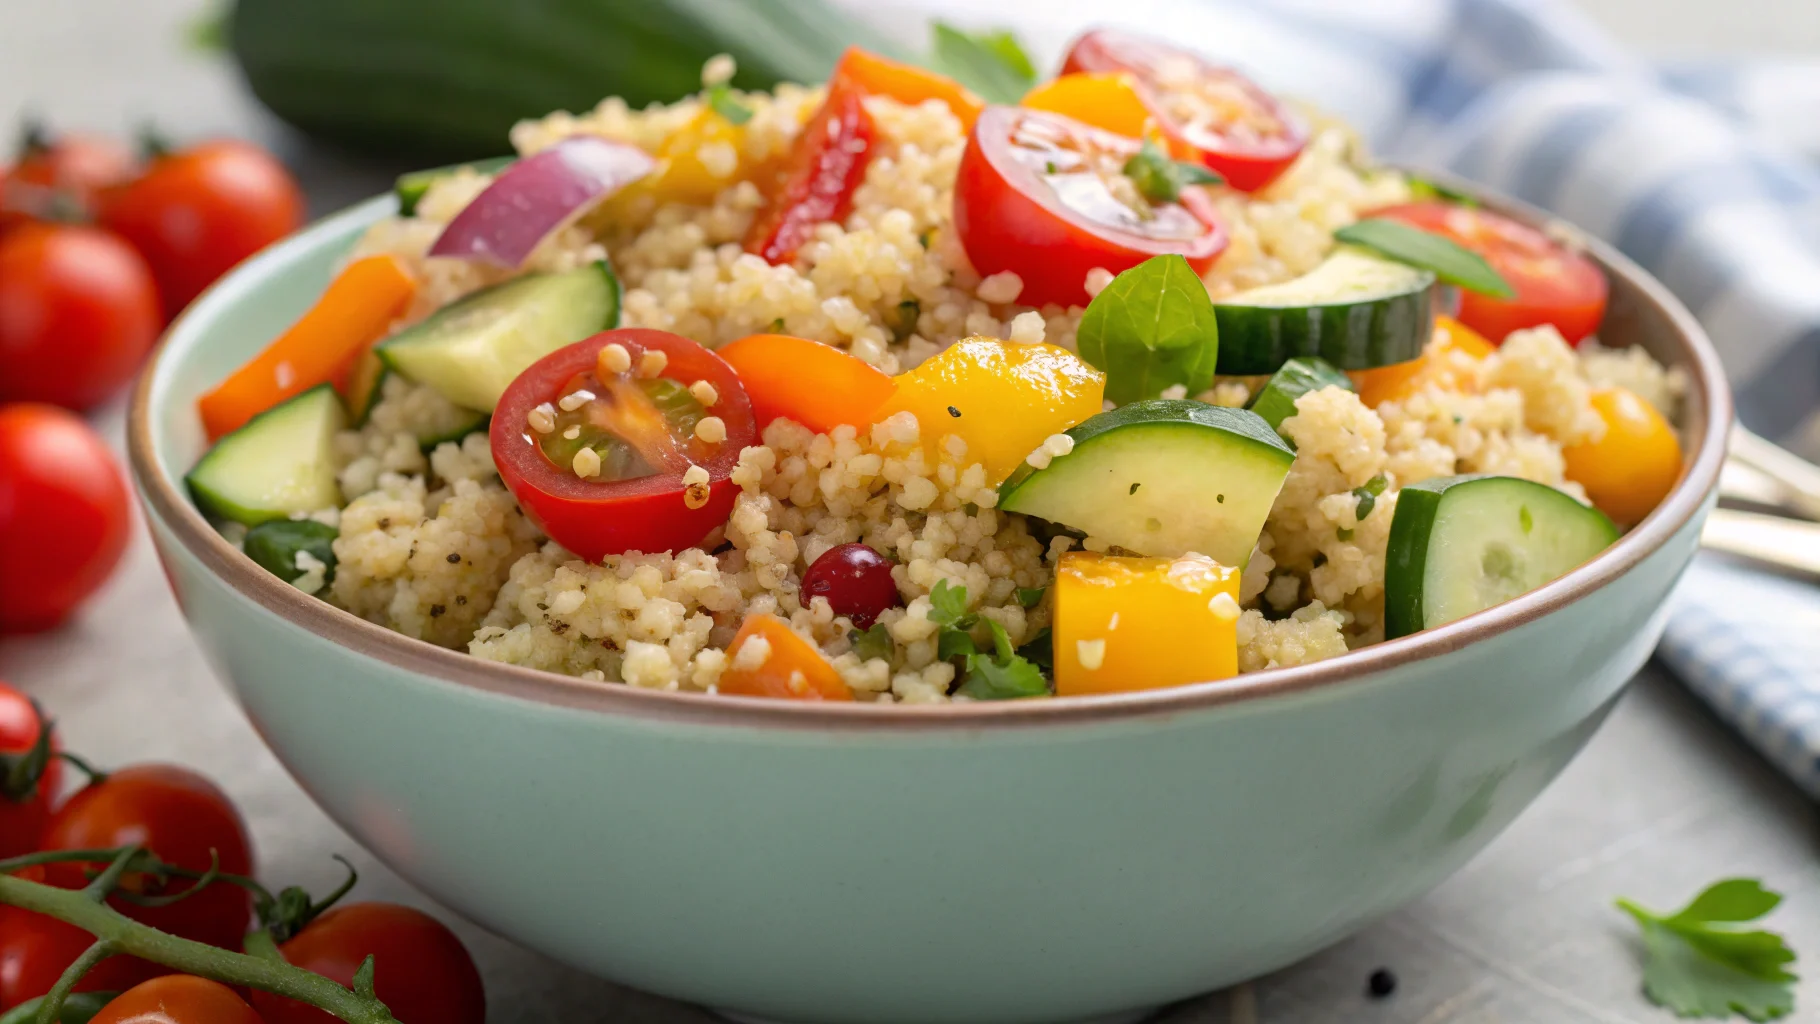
(181, 817)
(35, 951)
(71, 169)
(23, 823)
(78, 313)
(1247, 164)
(598, 518)
(197, 213)
(1008, 218)
(1553, 285)
(827, 164)
(421, 971)
(63, 515)
(177, 999)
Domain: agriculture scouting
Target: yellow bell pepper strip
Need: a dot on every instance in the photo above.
(1628, 471)
(1143, 623)
(1002, 399)
(791, 668)
(681, 175)
(1108, 100)
(1438, 365)
(907, 84)
(351, 315)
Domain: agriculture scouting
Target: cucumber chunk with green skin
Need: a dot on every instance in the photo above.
(1275, 402)
(1162, 477)
(412, 186)
(1356, 310)
(471, 349)
(1461, 544)
(366, 387)
(281, 462)
(274, 545)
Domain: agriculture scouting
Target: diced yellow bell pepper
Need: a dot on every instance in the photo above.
(681, 176)
(1002, 399)
(1143, 623)
(1108, 100)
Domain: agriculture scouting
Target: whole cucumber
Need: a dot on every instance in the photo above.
(446, 79)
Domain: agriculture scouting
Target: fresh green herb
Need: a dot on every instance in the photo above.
(1343, 533)
(990, 63)
(1428, 251)
(1697, 966)
(1134, 488)
(1421, 188)
(927, 236)
(948, 607)
(903, 318)
(1039, 650)
(274, 545)
(777, 326)
(1030, 597)
(721, 101)
(1152, 327)
(1368, 496)
(1160, 179)
(874, 642)
(1002, 675)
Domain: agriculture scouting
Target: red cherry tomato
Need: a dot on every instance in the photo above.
(640, 500)
(1239, 130)
(78, 312)
(61, 175)
(35, 951)
(196, 213)
(825, 168)
(23, 816)
(855, 579)
(177, 999)
(1045, 196)
(63, 515)
(1553, 285)
(181, 817)
(421, 971)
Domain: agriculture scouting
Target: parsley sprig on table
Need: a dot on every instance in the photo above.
(1699, 964)
(999, 674)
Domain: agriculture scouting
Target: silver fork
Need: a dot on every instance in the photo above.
(1769, 506)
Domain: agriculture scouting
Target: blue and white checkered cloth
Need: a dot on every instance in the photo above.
(1709, 176)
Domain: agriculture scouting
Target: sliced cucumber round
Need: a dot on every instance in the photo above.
(1162, 477)
(280, 463)
(1356, 310)
(471, 349)
(1275, 401)
(1461, 544)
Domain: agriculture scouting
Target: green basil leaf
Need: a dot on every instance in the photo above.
(990, 63)
(1151, 328)
(1449, 261)
(274, 545)
(721, 101)
(1421, 188)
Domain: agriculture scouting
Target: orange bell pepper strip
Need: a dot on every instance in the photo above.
(907, 84)
(1108, 100)
(351, 315)
(791, 669)
(1439, 364)
(814, 384)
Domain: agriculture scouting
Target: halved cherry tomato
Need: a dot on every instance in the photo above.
(1439, 364)
(421, 971)
(1046, 197)
(64, 518)
(792, 669)
(907, 83)
(78, 313)
(178, 999)
(65, 174)
(1553, 285)
(824, 170)
(1110, 100)
(1239, 130)
(814, 384)
(1632, 467)
(641, 426)
(196, 213)
(179, 816)
(25, 813)
(35, 950)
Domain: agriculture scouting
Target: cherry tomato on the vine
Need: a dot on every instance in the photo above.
(78, 313)
(177, 999)
(61, 175)
(179, 816)
(23, 816)
(196, 213)
(63, 515)
(421, 971)
(35, 951)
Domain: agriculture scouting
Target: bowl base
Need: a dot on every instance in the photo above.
(1123, 1017)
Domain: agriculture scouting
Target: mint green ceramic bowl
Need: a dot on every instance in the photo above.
(1008, 862)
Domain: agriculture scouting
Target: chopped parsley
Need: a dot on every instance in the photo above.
(874, 642)
(903, 318)
(1160, 179)
(1030, 597)
(1697, 964)
(1368, 496)
(721, 101)
(999, 674)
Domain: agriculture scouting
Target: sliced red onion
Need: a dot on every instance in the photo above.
(539, 196)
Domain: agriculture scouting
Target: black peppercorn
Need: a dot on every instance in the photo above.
(1382, 983)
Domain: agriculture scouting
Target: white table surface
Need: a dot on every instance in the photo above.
(1662, 802)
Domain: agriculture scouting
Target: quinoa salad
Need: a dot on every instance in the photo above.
(875, 392)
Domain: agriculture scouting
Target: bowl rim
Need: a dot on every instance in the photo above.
(165, 499)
